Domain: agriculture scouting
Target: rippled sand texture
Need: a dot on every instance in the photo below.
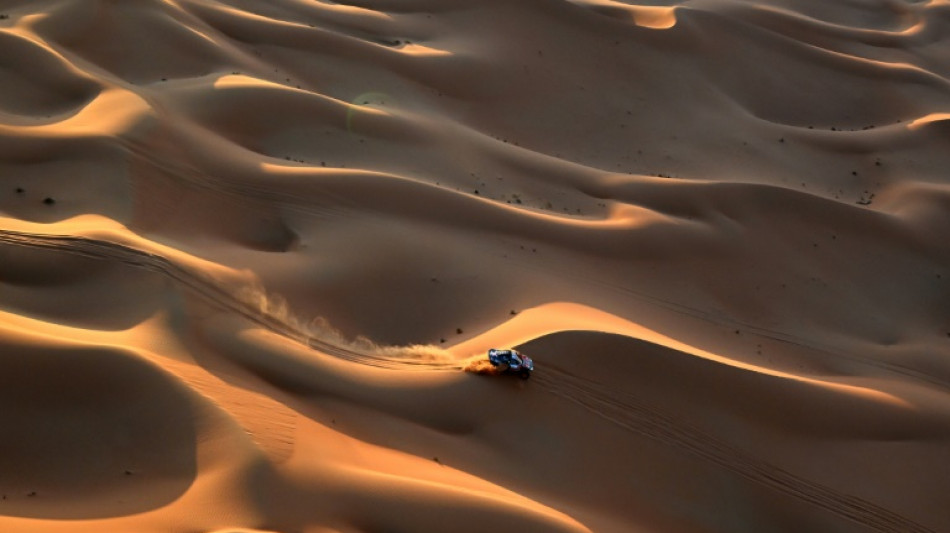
(249, 248)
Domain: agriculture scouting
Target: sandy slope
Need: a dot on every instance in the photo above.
(247, 249)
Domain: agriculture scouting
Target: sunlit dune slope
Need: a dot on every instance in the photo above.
(252, 255)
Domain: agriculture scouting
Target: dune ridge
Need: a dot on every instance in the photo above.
(252, 255)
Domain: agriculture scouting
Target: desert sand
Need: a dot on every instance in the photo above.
(252, 254)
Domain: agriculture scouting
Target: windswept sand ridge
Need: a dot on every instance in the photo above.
(255, 415)
(253, 306)
(554, 382)
(247, 249)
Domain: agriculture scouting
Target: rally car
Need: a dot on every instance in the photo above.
(511, 361)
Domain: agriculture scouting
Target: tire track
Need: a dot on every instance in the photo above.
(212, 292)
(635, 416)
(621, 409)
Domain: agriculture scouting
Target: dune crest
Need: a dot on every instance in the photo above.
(253, 254)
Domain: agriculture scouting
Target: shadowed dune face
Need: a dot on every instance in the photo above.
(39, 84)
(252, 254)
(90, 433)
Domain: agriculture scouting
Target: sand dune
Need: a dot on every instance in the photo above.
(252, 255)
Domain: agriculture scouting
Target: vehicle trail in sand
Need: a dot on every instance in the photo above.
(620, 409)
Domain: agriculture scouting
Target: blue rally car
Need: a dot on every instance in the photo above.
(511, 361)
